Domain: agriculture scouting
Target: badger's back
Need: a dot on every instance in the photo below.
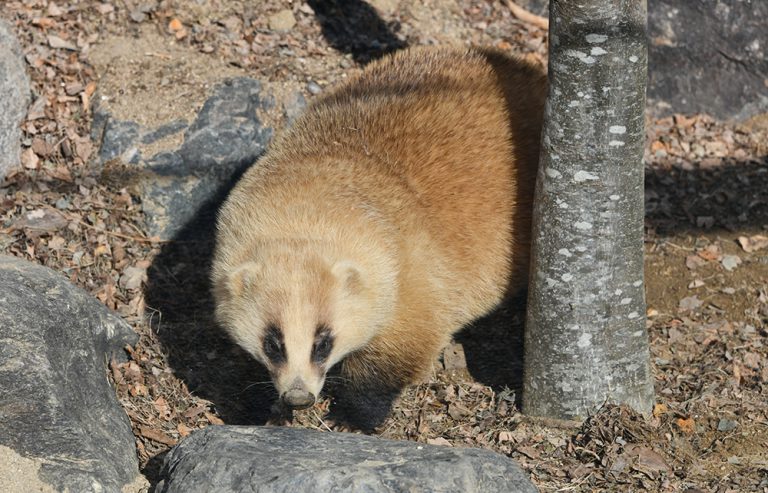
(442, 145)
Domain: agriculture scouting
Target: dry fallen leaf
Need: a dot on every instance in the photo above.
(57, 42)
(712, 252)
(162, 408)
(650, 463)
(133, 277)
(686, 425)
(753, 243)
(183, 429)
(696, 283)
(529, 452)
(694, 261)
(29, 159)
(439, 441)
(659, 409)
(506, 436)
(42, 220)
(175, 25)
(690, 303)
(157, 436)
(213, 419)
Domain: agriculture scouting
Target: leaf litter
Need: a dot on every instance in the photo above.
(706, 207)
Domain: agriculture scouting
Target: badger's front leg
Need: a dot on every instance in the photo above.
(373, 377)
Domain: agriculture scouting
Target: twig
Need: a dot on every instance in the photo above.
(119, 235)
(158, 55)
(525, 16)
(321, 420)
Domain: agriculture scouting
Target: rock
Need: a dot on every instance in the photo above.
(179, 133)
(59, 417)
(708, 56)
(282, 21)
(730, 262)
(265, 459)
(14, 87)
(176, 182)
(294, 105)
(314, 88)
(726, 424)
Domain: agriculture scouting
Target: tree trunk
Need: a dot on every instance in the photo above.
(586, 341)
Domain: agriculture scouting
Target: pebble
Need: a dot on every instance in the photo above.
(282, 21)
(726, 425)
(314, 88)
(730, 262)
(293, 105)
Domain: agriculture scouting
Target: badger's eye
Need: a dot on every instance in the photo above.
(274, 348)
(323, 345)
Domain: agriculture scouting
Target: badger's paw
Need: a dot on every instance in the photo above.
(362, 408)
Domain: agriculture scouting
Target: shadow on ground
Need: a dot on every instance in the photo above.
(729, 195)
(493, 346)
(201, 354)
(354, 27)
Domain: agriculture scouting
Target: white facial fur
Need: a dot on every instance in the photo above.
(298, 293)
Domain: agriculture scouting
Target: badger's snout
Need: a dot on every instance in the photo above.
(298, 397)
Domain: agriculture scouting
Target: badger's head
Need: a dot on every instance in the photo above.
(299, 313)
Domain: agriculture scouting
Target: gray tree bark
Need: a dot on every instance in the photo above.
(586, 342)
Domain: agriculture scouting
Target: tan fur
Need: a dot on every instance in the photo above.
(417, 178)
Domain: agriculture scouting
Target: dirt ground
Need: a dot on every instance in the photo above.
(706, 244)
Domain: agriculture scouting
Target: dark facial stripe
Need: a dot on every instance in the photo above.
(274, 347)
(323, 344)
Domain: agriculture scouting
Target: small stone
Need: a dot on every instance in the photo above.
(293, 105)
(454, 358)
(137, 15)
(314, 88)
(690, 303)
(57, 42)
(282, 21)
(730, 262)
(726, 425)
(62, 203)
(694, 261)
(705, 222)
(48, 220)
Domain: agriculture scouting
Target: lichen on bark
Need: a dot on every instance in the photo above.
(586, 341)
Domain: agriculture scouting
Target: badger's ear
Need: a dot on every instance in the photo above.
(348, 276)
(242, 278)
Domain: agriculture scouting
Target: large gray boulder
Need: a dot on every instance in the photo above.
(175, 183)
(59, 417)
(14, 98)
(287, 460)
(705, 56)
(709, 56)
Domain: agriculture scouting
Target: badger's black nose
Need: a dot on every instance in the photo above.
(297, 398)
